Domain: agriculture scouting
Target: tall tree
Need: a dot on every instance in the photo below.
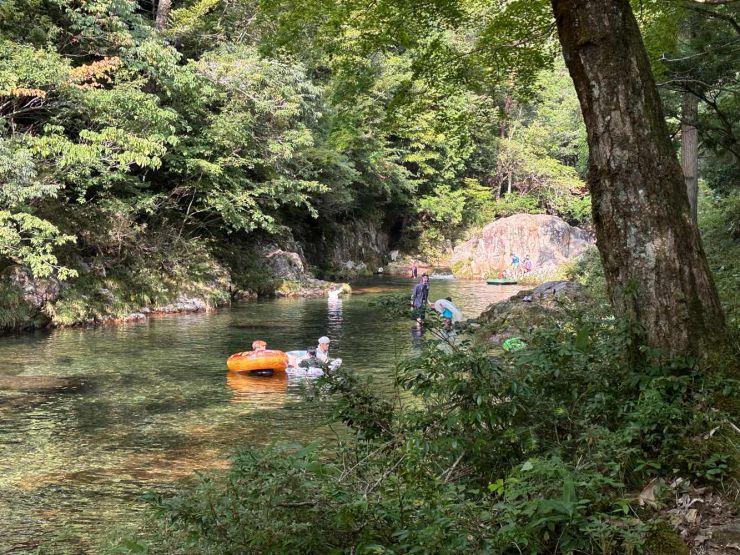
(656, 270)
(163, 13)
(690, 149)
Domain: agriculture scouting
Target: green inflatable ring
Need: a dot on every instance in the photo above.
(514, 344)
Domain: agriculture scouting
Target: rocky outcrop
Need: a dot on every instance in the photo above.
(25, 298)
(284, 265)
(289, 274)
(347, 250)
(527, 309)
(28, 302)
(36, 292)
(548, 240)
(360, 246)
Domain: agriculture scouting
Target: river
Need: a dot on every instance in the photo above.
(152, 403)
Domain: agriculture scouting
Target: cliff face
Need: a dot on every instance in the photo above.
(548, 240)
(347, 250)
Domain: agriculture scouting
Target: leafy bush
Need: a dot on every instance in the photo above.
(533, 451)
(719, 222)
(14, 311)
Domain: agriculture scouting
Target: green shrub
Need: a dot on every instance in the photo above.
(538, 451)
(14, 311)
(719, 222)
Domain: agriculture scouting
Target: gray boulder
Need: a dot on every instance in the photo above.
(284, 265)
(548, 240)
(37, 293)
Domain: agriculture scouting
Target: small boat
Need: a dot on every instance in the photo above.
(501, 281)
(258, 361)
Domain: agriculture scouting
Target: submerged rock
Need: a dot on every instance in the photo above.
(39, 384)
(549, 241)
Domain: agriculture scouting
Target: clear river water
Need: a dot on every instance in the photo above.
(152, 402)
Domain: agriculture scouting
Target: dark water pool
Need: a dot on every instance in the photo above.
(151, 403)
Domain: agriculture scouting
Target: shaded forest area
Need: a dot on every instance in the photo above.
(149, 150)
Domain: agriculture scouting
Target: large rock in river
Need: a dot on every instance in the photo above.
(548, 240)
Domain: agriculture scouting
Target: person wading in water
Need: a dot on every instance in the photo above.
(419, 297)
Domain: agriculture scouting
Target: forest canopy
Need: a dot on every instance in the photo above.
(130, 128)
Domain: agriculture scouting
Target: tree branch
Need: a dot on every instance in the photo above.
(717, 15)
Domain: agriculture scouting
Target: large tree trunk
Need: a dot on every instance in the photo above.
(655, 267)
(690, 149)
(163, 12)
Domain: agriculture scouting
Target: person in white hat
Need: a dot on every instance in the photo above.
(322, 351)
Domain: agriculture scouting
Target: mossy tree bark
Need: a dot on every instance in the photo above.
(163, 12)
(655, 266)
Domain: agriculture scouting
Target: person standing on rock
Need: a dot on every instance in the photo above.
(419, 298)
(527, 264)
(514, 264)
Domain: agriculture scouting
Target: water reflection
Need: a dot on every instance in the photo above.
(258, 391)
(334, 305)
(417, 338)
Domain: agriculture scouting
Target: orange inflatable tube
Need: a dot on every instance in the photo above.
(248, 361)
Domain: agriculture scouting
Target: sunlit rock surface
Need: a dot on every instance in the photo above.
(548, 240)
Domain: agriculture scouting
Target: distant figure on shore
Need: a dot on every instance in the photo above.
(414, 270)
(514, 264)
(419, 297)
(527, 264)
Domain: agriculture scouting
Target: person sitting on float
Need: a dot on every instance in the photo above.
(259, 345)
(322, 351)
(311, 360)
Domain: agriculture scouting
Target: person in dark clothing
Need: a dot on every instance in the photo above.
(311, 360)
(419, 297)
(414, 270)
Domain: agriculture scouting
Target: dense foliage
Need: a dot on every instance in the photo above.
(694, 52)
(117, 140)
(137, 161)
(542, 450)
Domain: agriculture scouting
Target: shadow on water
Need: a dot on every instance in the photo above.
(149, 404)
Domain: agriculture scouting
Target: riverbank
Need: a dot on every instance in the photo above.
(141, 289)
(582, 440)
(136, 408)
